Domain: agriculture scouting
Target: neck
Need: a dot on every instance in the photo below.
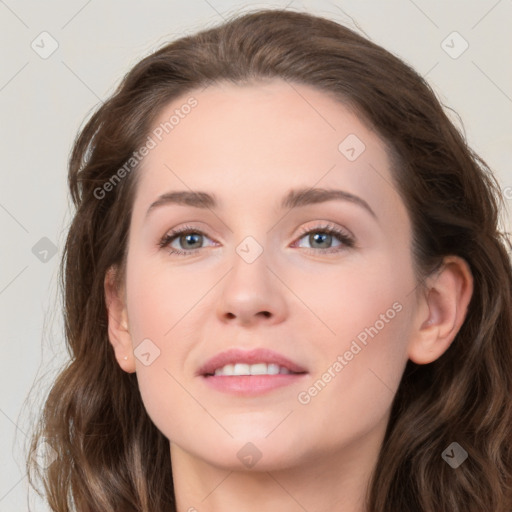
(322, 482)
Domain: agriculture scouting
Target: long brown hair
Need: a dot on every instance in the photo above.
(111, 457)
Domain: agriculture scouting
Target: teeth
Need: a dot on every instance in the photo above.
(251, 369)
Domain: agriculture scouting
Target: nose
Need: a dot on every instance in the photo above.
(252, 293)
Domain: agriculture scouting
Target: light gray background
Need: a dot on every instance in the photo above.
(44, 101)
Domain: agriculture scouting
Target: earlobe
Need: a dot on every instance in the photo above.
(118, 329)
(442, 312)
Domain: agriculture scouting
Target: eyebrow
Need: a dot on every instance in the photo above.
(295, 198)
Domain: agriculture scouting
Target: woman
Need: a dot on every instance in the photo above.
(223, 358)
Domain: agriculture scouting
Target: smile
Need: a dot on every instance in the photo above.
(250, 373)
(252, 369)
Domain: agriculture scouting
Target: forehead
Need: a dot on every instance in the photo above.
(243, 142)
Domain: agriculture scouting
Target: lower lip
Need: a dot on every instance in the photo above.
(248, 385)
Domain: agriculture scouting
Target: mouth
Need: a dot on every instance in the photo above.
(239, 369)
(250, 372)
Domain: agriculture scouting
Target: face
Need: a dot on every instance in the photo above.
(321, 285)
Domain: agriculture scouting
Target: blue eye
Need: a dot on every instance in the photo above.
(187, 235)
(191, 239)
(326, 233)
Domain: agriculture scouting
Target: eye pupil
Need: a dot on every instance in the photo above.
(188, 236)
(317, 235)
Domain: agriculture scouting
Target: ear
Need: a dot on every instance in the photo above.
(118, 331)
(441, 311)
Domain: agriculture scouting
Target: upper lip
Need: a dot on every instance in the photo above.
(254, 356)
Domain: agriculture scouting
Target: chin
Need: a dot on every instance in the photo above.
(256, 450)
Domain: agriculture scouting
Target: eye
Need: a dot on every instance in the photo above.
(190, 239)
(319, 236)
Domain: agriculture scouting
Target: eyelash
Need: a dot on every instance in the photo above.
(328, 229)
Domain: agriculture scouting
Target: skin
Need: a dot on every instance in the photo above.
(248, 145)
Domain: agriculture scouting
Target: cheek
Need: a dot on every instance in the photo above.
(353, 390)
(162, 310)
(158, 298)
(363, 298)
(161, 294)
(358, 369)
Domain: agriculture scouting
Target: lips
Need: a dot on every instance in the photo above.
(238, 356)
